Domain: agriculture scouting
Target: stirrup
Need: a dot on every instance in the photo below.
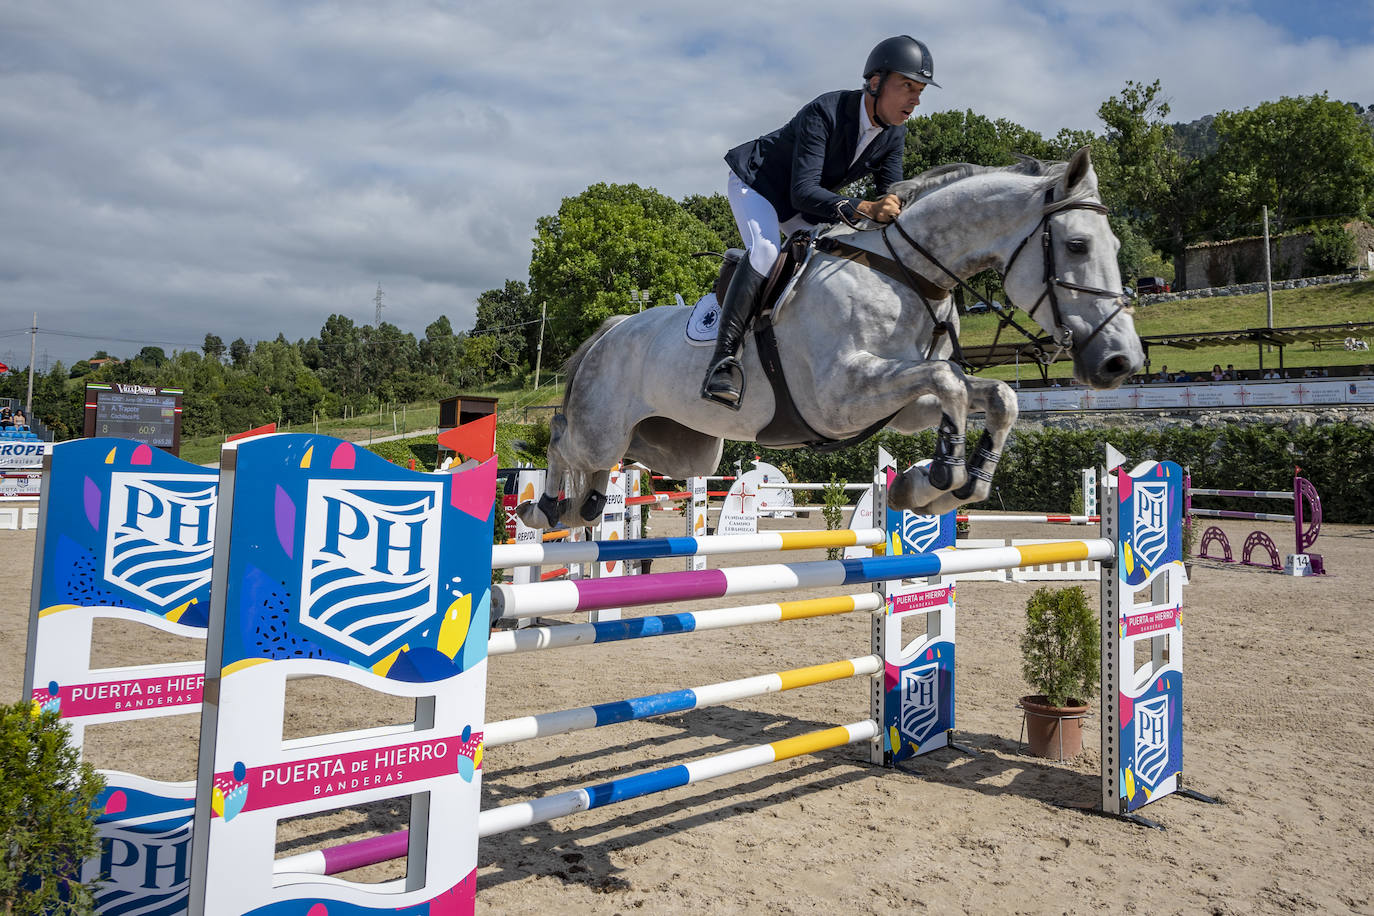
(737, 369)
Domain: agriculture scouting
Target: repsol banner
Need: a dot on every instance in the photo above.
(22, 454)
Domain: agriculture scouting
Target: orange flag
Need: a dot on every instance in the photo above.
(476, 439)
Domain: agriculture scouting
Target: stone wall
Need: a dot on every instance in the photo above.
(1242, 289)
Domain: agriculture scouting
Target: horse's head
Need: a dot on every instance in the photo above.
(1064, 274)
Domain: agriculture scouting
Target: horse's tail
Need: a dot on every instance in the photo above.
(575, 361)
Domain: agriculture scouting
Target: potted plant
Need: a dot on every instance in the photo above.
(1060, 657)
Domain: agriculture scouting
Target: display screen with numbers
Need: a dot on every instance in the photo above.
(140, 413)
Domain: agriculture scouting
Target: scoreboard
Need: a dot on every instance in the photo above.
(139, 412)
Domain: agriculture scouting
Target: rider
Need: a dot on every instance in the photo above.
(786, 180)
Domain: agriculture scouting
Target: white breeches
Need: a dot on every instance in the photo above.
(758, 223)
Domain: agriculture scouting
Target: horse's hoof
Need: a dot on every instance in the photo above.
(593, 506)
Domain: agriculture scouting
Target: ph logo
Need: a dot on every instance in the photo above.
(159, 539)
(1151, 520)
(370, 562)
(919, 532)
(1151, 739)
(920, 701)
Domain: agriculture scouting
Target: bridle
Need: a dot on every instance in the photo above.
(1061, 335)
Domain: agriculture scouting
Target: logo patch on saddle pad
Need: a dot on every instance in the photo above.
(704, 321)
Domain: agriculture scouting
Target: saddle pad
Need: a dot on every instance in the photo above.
(704, 321)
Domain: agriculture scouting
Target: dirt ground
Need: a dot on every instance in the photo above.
(1274, 727)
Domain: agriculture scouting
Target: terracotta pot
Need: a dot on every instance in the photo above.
(1055, 732)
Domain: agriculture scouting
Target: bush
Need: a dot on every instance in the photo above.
(1331, 251)
(47, 828)
(836, 498)
(1061, 645)
(397, 452)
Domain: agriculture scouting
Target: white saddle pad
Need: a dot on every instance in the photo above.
(704, 321)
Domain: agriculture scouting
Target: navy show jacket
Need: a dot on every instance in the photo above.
(799, 166)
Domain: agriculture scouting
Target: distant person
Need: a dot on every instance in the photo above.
(20, 421)
(1217, 374)
(6, 417)
(1367, 369)
(1183, 376)
(1230, 374)
(1164, 375)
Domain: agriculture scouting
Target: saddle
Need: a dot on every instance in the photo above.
(788, 428)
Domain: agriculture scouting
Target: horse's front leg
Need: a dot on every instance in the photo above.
(998, 402)
(930, 491)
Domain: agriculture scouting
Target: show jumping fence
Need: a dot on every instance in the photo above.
(1306, 519)
(303, 522)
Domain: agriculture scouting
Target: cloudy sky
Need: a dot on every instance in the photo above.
(247, 167)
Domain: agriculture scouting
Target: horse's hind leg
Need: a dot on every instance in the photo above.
(548, 510)
(998, 403)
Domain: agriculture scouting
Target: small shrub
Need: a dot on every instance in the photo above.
(835, 498)
(1061, 645)
(1331, 251)
(47, 828)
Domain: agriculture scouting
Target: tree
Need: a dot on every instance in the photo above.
(714, 212)
(1149, 186)
(441, 349)
(1306, 158)
(963, 136)
(511, 318)
(154, 357)
(603, 243)
(239, 352)
(338, 357)
(213, 347)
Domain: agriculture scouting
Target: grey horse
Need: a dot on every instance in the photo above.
(856, 343)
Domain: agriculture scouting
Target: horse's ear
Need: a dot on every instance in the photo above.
(1079, 167)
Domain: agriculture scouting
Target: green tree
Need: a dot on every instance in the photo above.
(1306, 158)
(152, 357)
(1143, 177)
(714, 212)
(964, 136)
(337, 356)
(239, 351)
(603, 243)
(213, 347)
(510, 317)
(46, 824)
(441, 349)
(1331, 250)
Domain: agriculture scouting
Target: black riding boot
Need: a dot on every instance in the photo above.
(724, 381)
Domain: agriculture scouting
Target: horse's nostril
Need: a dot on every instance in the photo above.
(1116, 366)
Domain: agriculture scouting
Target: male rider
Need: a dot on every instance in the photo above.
(787, 180)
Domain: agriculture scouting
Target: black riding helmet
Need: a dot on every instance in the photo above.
(901, 54)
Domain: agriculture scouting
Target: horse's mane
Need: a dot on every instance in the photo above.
(1050, 173)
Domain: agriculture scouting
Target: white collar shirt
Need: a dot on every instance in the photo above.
(867, 131)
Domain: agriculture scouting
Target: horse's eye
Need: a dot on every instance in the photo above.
(1078, 246)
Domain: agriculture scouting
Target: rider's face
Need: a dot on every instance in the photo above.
(898, 99)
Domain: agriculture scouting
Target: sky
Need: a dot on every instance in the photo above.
(246, 168)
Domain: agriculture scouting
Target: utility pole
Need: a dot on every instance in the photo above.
(539, 351)
(1268, 277)
(33, 344)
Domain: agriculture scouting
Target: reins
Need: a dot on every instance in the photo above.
(1061, 336)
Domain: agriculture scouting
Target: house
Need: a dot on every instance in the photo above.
(1236, 261)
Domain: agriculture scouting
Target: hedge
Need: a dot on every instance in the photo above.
(1039, 468)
